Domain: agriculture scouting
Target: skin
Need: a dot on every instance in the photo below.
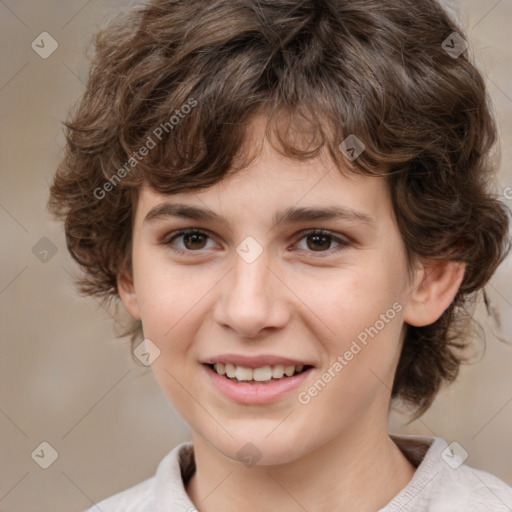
(333, 453)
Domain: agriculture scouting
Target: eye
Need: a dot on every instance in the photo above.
(320, 240)
(193, 240)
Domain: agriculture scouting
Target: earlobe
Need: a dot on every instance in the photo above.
(439, 282)
(128, 295)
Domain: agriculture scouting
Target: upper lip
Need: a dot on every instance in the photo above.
(255, 361)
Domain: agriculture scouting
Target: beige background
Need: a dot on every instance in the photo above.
(66, 379)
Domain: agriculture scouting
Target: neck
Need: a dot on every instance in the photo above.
(355, 471)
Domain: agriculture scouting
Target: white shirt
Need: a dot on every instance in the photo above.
(440, 483)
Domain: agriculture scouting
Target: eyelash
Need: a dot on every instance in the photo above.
(317, 254)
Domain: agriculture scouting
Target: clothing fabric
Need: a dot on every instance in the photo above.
(440, 483)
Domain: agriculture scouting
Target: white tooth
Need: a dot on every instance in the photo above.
(262, 374)
(243, 373)
(230, 370)
(220, 368)
(278, 371)
(289, 370)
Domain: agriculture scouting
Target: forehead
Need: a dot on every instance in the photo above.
(276, 187)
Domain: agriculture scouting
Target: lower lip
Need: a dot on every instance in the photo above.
(256, 393)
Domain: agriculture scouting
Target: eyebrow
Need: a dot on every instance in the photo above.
(287, 216)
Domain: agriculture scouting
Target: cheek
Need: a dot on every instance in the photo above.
(166, 294)
(169, 302)
(355, 302)
(362, 311)
(362, 343)
(171, 306)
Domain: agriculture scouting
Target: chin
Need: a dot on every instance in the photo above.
(257, 450)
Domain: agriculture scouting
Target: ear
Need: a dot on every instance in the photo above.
(126, 289)
(436, 286)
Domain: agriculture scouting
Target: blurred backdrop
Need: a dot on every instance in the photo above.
(65, 378)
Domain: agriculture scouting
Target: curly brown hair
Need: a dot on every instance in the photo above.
(173, 85)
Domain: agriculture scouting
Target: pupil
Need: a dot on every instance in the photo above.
(324, 237)
(194, 237)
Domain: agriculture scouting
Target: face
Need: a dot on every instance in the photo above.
(238, 288)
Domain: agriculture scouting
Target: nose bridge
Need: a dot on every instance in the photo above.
(249, 302)
(250, 278)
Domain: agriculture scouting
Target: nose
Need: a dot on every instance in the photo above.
(253, 298)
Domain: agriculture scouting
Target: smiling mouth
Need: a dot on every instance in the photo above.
(262, 375)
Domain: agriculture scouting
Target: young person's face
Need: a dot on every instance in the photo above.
(300, 299)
